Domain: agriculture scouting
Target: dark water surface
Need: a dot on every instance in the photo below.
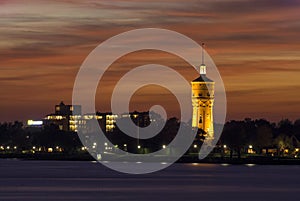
(84, 181)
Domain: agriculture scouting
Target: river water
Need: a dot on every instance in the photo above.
(84, 181)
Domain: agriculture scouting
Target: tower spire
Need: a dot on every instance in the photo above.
(203, 53)
(202, 66)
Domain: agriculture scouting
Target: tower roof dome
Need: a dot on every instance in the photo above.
(202, 78)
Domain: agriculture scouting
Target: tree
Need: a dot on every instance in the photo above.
(282, 142)
(285, 126)
(234, 136)
(264, 137)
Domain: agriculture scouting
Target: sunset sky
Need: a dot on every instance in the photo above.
(254, 43)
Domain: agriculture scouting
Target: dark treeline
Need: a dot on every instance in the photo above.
(164, 137)
(261, 134)
(237, 136)
(14, 137)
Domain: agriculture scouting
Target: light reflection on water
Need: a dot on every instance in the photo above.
(76, 180)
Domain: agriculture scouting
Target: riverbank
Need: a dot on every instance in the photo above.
(261, 160)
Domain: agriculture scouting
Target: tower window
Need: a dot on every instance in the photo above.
(200, 119)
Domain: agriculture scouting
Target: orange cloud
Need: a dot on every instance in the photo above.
(254, 43)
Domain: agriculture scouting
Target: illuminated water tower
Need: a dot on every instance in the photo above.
(203, 102)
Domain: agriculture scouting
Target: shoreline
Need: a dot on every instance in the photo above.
(258, 160)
